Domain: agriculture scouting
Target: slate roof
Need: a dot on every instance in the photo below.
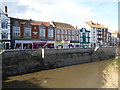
(32, 22)
(61, 25)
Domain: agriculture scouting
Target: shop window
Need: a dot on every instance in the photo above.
(50, 46)
(27, 46)
(41, 46)
(18, 46)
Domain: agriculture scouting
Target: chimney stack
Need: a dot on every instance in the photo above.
(5, 11)
(76, 27)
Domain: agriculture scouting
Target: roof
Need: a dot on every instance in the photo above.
(61, 25)
(96, 25)
(32, 22)
(115, 32)
(81, 30)
(39, 23)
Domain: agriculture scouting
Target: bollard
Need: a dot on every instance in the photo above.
(43, 56)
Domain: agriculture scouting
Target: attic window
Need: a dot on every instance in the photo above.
(34, 27)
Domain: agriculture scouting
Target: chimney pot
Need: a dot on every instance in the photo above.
(5, 11)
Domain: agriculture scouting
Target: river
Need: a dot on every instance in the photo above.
(90, 75)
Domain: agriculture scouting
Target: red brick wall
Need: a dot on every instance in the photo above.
(35, 36)
(46, 30)
(21, 30)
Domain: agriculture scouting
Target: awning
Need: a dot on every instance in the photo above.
(40, 43)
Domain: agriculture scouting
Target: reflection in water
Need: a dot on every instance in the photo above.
(77, 76)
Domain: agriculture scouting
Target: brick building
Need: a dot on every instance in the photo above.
(66, 35)
(30, 34)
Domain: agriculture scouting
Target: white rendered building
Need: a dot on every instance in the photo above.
(98, 33)
(4, 31)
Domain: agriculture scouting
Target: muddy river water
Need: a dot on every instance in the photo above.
(90, 75)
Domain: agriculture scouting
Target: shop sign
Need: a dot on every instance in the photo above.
(75, 43)
(43, 41)
(62, 42)
(29, 41)
(50, 41)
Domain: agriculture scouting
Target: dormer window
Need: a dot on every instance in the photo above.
(16, 28)
(27, 30)
(16, 31)
(83, 29)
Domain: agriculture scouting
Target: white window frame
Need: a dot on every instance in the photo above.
(73, 32)
(58, 31)
(5, 34)
(77, 38)
(65, 37)
(42, 32)
(4, 25)
(16, 30)
(73, 38)
(50, 32)
(58, 37)
(27, 31)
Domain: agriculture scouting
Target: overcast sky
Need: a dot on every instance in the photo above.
(74, 12)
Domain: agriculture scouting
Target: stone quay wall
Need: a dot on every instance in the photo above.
(16, 62)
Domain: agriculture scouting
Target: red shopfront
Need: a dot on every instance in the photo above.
(29, 44)
(37, 45)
